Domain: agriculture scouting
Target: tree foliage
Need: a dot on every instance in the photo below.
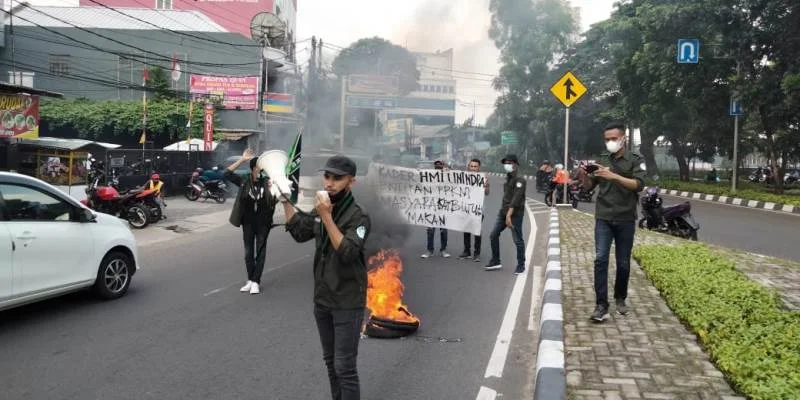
(376, 56)
(121, 121)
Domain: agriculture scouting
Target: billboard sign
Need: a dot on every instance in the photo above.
(373, 84)
(278, 103)
(235, 92)
(19, 116)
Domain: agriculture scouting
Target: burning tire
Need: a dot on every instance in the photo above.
(401, 326)
(374, 331)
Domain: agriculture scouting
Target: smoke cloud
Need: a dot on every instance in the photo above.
(388, 230)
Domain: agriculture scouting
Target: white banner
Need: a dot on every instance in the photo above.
(429, 197)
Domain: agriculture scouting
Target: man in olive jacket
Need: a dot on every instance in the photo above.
(340, 228)
(253, 211)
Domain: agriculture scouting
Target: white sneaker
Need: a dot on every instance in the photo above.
(445, 254)
(247, 286)
(427, 255)
(255, 289)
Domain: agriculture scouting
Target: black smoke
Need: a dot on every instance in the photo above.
(388, 230)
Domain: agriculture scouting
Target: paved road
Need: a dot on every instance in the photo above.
(184, 331)
(758, 231)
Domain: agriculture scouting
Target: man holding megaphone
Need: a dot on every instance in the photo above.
(253, 211)
(340, 228)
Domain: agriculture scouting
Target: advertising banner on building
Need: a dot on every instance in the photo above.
(234, 92)
(282, 103)
(208, 128)
(373, 84)
(20, 116)
(397, 130)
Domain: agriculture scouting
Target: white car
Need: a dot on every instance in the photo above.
(50, 244)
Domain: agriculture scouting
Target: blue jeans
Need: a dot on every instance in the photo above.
(339, 332)
(442, 239)
(621, 232)
(516, 233)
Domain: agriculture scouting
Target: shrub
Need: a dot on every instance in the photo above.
(744, 327)
(745, 192)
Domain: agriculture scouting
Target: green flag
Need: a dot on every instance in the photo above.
(293, 168)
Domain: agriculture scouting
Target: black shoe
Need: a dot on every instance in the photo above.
(622, 308)
(520, 270)
(493, 265)
(600, 313)
(464, 255)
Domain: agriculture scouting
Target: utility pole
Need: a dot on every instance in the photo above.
(735, 177)
(312, 83)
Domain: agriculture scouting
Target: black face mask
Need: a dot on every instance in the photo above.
(335, 198)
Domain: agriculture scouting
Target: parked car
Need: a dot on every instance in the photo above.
(50, 244)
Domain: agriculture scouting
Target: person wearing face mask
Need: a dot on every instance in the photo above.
(438, 164)
(510, 216)
(253, 211)
(340, 228)
(619, 178)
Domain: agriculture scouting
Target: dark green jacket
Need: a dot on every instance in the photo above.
(514, 194)
(340, 276)
(266, 205)
(614, 202)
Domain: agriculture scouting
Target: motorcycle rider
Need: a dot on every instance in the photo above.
(558, 181)
(155, 184)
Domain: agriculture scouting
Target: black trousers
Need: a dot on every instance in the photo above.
(339, 332)
(467, 247)
(255, 249)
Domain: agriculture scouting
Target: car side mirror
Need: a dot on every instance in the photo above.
(87, 216)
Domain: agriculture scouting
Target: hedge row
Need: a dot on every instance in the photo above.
(722, 189)
(753, 339)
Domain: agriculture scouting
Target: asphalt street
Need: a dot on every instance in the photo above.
(752, 230)
(185, 331)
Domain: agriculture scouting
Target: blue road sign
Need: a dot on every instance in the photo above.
(688, 51)
(735, 108)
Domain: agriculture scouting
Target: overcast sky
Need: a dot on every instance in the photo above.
(425, 25)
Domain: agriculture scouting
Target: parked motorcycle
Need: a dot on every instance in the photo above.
(542, 181)
(791, 177)
(573, 191)
(130, 207)
(213, 189)
(580, 193)
(761, 175)
(675, 220)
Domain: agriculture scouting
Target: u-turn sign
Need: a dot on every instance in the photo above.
(688, 51)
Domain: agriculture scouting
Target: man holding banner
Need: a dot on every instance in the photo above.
(511, 215)
(474, 166)
(431, 231)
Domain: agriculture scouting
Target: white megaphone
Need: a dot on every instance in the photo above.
(274, 162)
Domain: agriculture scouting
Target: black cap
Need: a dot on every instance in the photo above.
(340, 166)
(510, 157)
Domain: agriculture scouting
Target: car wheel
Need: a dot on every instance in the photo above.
(114, 276)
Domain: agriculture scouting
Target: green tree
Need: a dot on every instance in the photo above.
(159, 85)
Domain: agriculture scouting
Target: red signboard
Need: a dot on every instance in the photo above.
(208, 128)
(19, 116)
(235, 92)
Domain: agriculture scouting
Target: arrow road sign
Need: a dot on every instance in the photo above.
(735, 108)
(688, 51)
(568, 89)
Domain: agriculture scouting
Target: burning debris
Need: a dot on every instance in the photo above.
(389, 317)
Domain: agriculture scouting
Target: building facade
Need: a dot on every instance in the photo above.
(434, 101)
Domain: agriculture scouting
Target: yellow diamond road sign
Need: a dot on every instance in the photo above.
(568, 89)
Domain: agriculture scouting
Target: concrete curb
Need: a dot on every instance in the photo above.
(551, 381)
(783, 208)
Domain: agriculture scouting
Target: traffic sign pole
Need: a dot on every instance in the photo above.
(735, 177)
(566, 152)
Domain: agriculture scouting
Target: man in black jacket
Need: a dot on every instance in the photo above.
(340, 227)
(253, 211)
(511, 215)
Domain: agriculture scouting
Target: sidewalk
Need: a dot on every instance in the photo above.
(647, 354)
(759, 205)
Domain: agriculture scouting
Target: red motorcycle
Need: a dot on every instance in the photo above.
(130, 206)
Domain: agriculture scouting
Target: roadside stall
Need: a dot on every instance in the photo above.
(60, 162)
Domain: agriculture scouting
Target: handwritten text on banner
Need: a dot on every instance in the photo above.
(434, 198)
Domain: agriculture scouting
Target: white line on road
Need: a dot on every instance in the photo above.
(497, 361)
(217, 290)
(486, 394)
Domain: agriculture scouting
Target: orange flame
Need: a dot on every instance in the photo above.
(384, 288)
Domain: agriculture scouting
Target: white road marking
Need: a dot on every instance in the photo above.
(486, 394)
(217, 290)
(497, 361)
